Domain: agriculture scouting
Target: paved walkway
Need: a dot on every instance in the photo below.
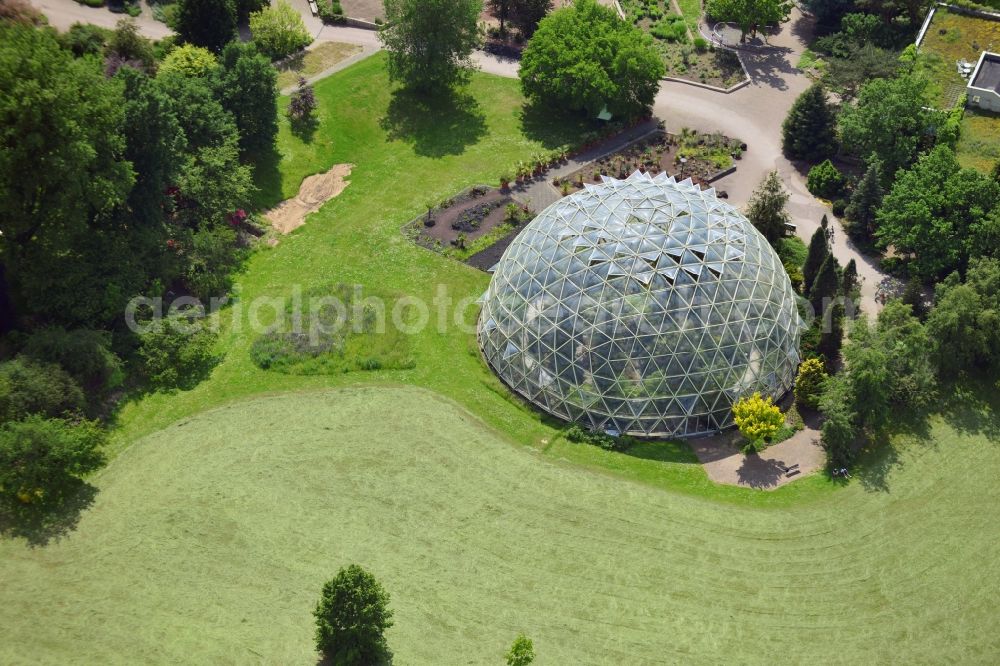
(724, 463)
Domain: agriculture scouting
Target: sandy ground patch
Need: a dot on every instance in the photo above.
(315, 191)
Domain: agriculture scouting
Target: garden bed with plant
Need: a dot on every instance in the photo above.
(468, 223)
(698, 156)
(686, 54)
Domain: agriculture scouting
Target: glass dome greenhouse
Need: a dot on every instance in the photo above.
(643, 306)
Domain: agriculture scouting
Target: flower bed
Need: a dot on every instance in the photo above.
(701, 157)
(468, 223)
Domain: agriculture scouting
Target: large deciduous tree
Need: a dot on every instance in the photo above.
(207, 23)
(62, 160)
(810, 129)
(889, 120)
(430, 41)
(247, 86)
(584, 58)
(940, 213)
(749, 15)
(964, 326)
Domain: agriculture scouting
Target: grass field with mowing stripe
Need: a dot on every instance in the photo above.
(209, 540)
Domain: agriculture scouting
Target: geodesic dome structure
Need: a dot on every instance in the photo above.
(643, 306)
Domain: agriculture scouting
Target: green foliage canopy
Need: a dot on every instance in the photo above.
(584, 58)
(351, 617)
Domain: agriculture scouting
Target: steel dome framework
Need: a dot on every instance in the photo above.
(643, 306)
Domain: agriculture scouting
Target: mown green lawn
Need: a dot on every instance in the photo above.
(404, 156)
(209, 541)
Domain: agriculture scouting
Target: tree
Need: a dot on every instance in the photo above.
(866, 200)
(32, 387)
(207, 23)
(825, 180)
(247, 87)
(528, 13)
(351, 617)
(430, 41)
(130, 47)
(278, 30)
(189, 60)
(849, 280)
(302, 103)
(83, 353)
(889, 120)
(995, 172)
(809, 383)
(766, 208)
(501, 9)
(61, 168)
(521, 652)
(828, 12)
(809, 130)
(892, 10)
(907, 346)
(940, 213)
(826, 286)
(964, 326)
(839, 432)
(176, 351)
(846, 73)
(757, 418)
(41, 458)
(749, 15)
(818, 250)
(584, 58)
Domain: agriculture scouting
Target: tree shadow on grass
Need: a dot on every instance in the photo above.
(39, 524)
(668, 451)
(304, 130)
(973, 408)
(553, 128)
(266, 178)
(445, 124)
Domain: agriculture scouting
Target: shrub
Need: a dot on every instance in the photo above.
(579, 435)
(213, 258)
(670, 28)
(700, 44)
(177, 351)
(129, 45)
(85, 354)
(302, 103)
(330, 11)
(190, 60)
(839, 207)
(30, 387)
(278, 30)
(351, 618)
(809, 383)
(84, 39)
(757, 418)
(41, 458)
(521, 652)
(825, 180)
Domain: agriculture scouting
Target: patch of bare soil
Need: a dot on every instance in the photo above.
(315, 191)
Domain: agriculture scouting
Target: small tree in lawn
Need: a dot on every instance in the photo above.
(825, 180)
(810, 129)
(521, 652)
(766, 209)
(866, 200)
(351, 618)
(809, 383)
(818, 249)
(303, 103)
(758, 419)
